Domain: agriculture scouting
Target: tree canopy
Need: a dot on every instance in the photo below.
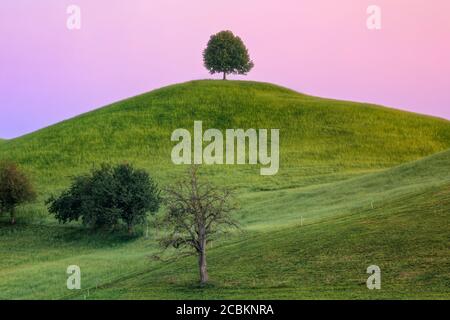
(227, 54)
(107, 196)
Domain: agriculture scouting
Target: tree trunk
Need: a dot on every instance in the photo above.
(224, 76)
(130, 229)
(203, 267)
(13, 216)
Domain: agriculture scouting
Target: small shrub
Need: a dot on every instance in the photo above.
(15, 189)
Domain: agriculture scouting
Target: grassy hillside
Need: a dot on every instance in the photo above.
(321, 140)
(351, 192)
(395, 219)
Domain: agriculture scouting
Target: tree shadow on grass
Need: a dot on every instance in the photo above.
(64, 235)
(95, 238)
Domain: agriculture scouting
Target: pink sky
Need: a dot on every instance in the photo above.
(319, 47)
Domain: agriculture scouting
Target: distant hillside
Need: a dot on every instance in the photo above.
(322, 140)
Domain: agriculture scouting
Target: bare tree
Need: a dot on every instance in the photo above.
(196, 211)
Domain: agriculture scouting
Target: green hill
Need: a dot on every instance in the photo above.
(321, 140)
(351, 192)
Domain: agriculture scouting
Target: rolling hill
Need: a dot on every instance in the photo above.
(358, 184)
(321, 140)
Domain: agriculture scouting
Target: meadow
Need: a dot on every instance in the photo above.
(358, 184)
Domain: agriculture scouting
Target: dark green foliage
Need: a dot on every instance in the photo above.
(226, 53)
(136, 195)
(15, 189)
(108, 196)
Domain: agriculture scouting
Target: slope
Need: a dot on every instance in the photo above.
(322, 140)
(396, 219)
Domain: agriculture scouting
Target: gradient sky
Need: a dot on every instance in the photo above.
(319, 47)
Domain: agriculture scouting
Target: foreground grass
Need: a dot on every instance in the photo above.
(317, 261)
(396, 219)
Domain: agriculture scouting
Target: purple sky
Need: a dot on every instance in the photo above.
(321, 47)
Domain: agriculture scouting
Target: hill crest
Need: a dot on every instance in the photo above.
(321, 140)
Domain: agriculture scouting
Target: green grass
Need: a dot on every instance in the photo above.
(351, 192)
(321, 140)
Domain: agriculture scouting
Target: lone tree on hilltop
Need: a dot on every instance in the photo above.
(196, 212)
(15, 189)
(226, 53)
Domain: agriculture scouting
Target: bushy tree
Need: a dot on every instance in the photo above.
(15, 189)
(196, 212)
(107, 197)
(226, 53)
